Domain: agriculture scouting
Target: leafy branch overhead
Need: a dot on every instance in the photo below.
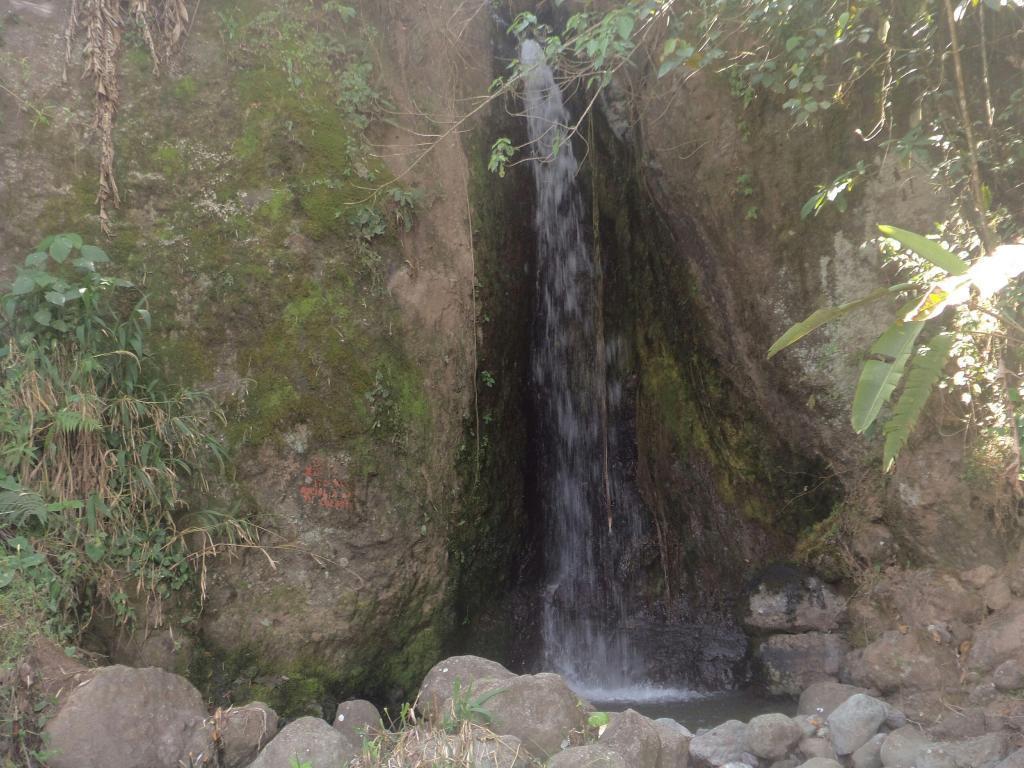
(983, 285)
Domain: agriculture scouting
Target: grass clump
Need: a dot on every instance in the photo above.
(98, 454)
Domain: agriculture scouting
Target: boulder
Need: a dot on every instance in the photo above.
(999, 638)
(540, 710)
(787, 601)
(854, 722)
(357, 718)
(997, 594)
(934, 757)
(906, 662)
(869, 755)
(162, 648)
(129, 718)
(809, 724)
(592, 756)
(497, 752)
(822, 698)
(308, 740)
(675, 743)
(1006, 714)
(980, 752)
(1009, 676)
(820, 762)
(451, 674)
(772, 736)
(790, 663)
(816, 746)
(924, 597)
(1016, 760)
(244, 731)
(873, 543)
(978, 577)
(900, 748)
(715, 748)
(635, 737)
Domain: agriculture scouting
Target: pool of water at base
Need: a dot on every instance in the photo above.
(705, 710)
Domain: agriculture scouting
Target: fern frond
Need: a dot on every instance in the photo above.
(925, 371)
(18, 506)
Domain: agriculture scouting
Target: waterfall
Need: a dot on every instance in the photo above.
(585, 612)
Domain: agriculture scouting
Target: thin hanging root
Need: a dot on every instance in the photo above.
(103, 23)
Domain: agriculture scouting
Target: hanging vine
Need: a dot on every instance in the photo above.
(163, 25)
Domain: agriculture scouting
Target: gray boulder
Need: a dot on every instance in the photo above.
(905, 662)
(592, 756)
(1009, 676)
(1016, 760)
(244, 731)
(791, 663)
(869, 755)
(900, 748)
(820, 762)
(357, 719)
(715, 748)
(539, 710)
(308, 740)
(854, 722)
(821, 698)
(497, 752)
(456, 673)
(635, 738)
(934, 757)
(816, 746)
(797, 603)
(675, 743)
(980, 752)
(129, 718)
(999, 638)
(772, 736)
(997, 594)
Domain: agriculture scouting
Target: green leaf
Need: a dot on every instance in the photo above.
(927, 249)
(668, 66)
(23, 284)
(925, 371)
(95, 550)
(43, 316)
(821, 316)
(60, 248)
(55, 298)
(597, 719)
(94, 254)
(882, 371)
(36, 259)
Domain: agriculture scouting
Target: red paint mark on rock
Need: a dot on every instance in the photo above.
(328, 493)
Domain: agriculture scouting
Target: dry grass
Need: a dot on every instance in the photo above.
(426, 746)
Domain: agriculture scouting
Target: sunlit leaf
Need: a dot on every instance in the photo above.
(819, 317)
(925, 372)
(926, 249)
(886, 361)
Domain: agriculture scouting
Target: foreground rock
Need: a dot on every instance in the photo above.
(822, 698)
(854, 722)
(635, 738)
(308, 740)
(593, 756)
(540, 710)
(722, 745)
(130, 718)
(244, 731)
(357, 719)
(453, 674)
(772, 736)
(675, 743)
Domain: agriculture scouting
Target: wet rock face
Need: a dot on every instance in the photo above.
(787, 601)
(793, 662)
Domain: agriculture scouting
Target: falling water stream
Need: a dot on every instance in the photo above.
(586, 614)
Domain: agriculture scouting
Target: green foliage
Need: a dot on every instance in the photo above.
(925, 371)
(990, 280)
(95, 451)
(467, 708)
